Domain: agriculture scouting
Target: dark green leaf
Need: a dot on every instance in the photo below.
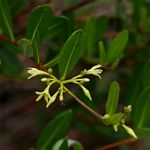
(39, 20)
(113, 96)
(146, 24)
(75, 145)
(10, 64)
(42, 24)
(146, 74)
(137, 4)
(25, 47)
(134, 86)
(102, 52)
(16, 6)
(141, 109)
(70, 53)
(14, 48)
(35, 45)
(56, 26)
(89, 36)
(114, 64)
(143, 132)
(5, 19)
(53, 62)
(42, 20)
(37, 25)
(116, 47)
(64, 145)
(101, 27)
(61, 144)
(55, 130)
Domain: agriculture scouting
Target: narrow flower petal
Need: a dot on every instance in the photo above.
(129, 131)
(86, 92)
(35, 72)
(115, 127)
(47, 97)
(52, 99)
(95, 70)
(83, 79)
(61, 98)
(40, 96)
(96, 66)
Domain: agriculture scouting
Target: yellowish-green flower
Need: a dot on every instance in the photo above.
(95, 70)
(129, 131)
(51, 79)
(35, 72)
(52, 99)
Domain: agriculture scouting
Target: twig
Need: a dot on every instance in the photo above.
(99, 116)
(4, 38)
(116, 144)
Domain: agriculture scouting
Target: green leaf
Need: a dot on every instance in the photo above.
(43, 21)
(101, 27)
(5, 19)
(143, 132)
(146, 74)
(70, 53)
(53, 62)
(102, 53)
(64, 145)
(113, 96)
(55, 130)
(61, 144)
(56, 26)
(41, 25)
(35, 45)
(37, 24)
(10, 64)
(116, 47)
(16, 6)
(75, 144)
(39, 20)
(141, 109)
(14, 48)
(145, 24)
(25, 47)
(115, 64)
(89, 36)
(58, 144)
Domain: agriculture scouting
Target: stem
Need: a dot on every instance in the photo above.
(116, 144)
(4, 38)
(99, 116)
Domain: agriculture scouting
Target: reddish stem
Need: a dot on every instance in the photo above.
(116, 144)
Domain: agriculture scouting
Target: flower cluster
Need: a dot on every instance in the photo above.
(118, 119)
(50, 79)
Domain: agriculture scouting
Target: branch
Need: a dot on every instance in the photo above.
(4, 38)
(116, 144)
(99, 116)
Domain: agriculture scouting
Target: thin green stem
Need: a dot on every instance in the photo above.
(99, 116)
(67, 81)
(78, 76)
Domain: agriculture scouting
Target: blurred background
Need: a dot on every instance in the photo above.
(22, 119)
